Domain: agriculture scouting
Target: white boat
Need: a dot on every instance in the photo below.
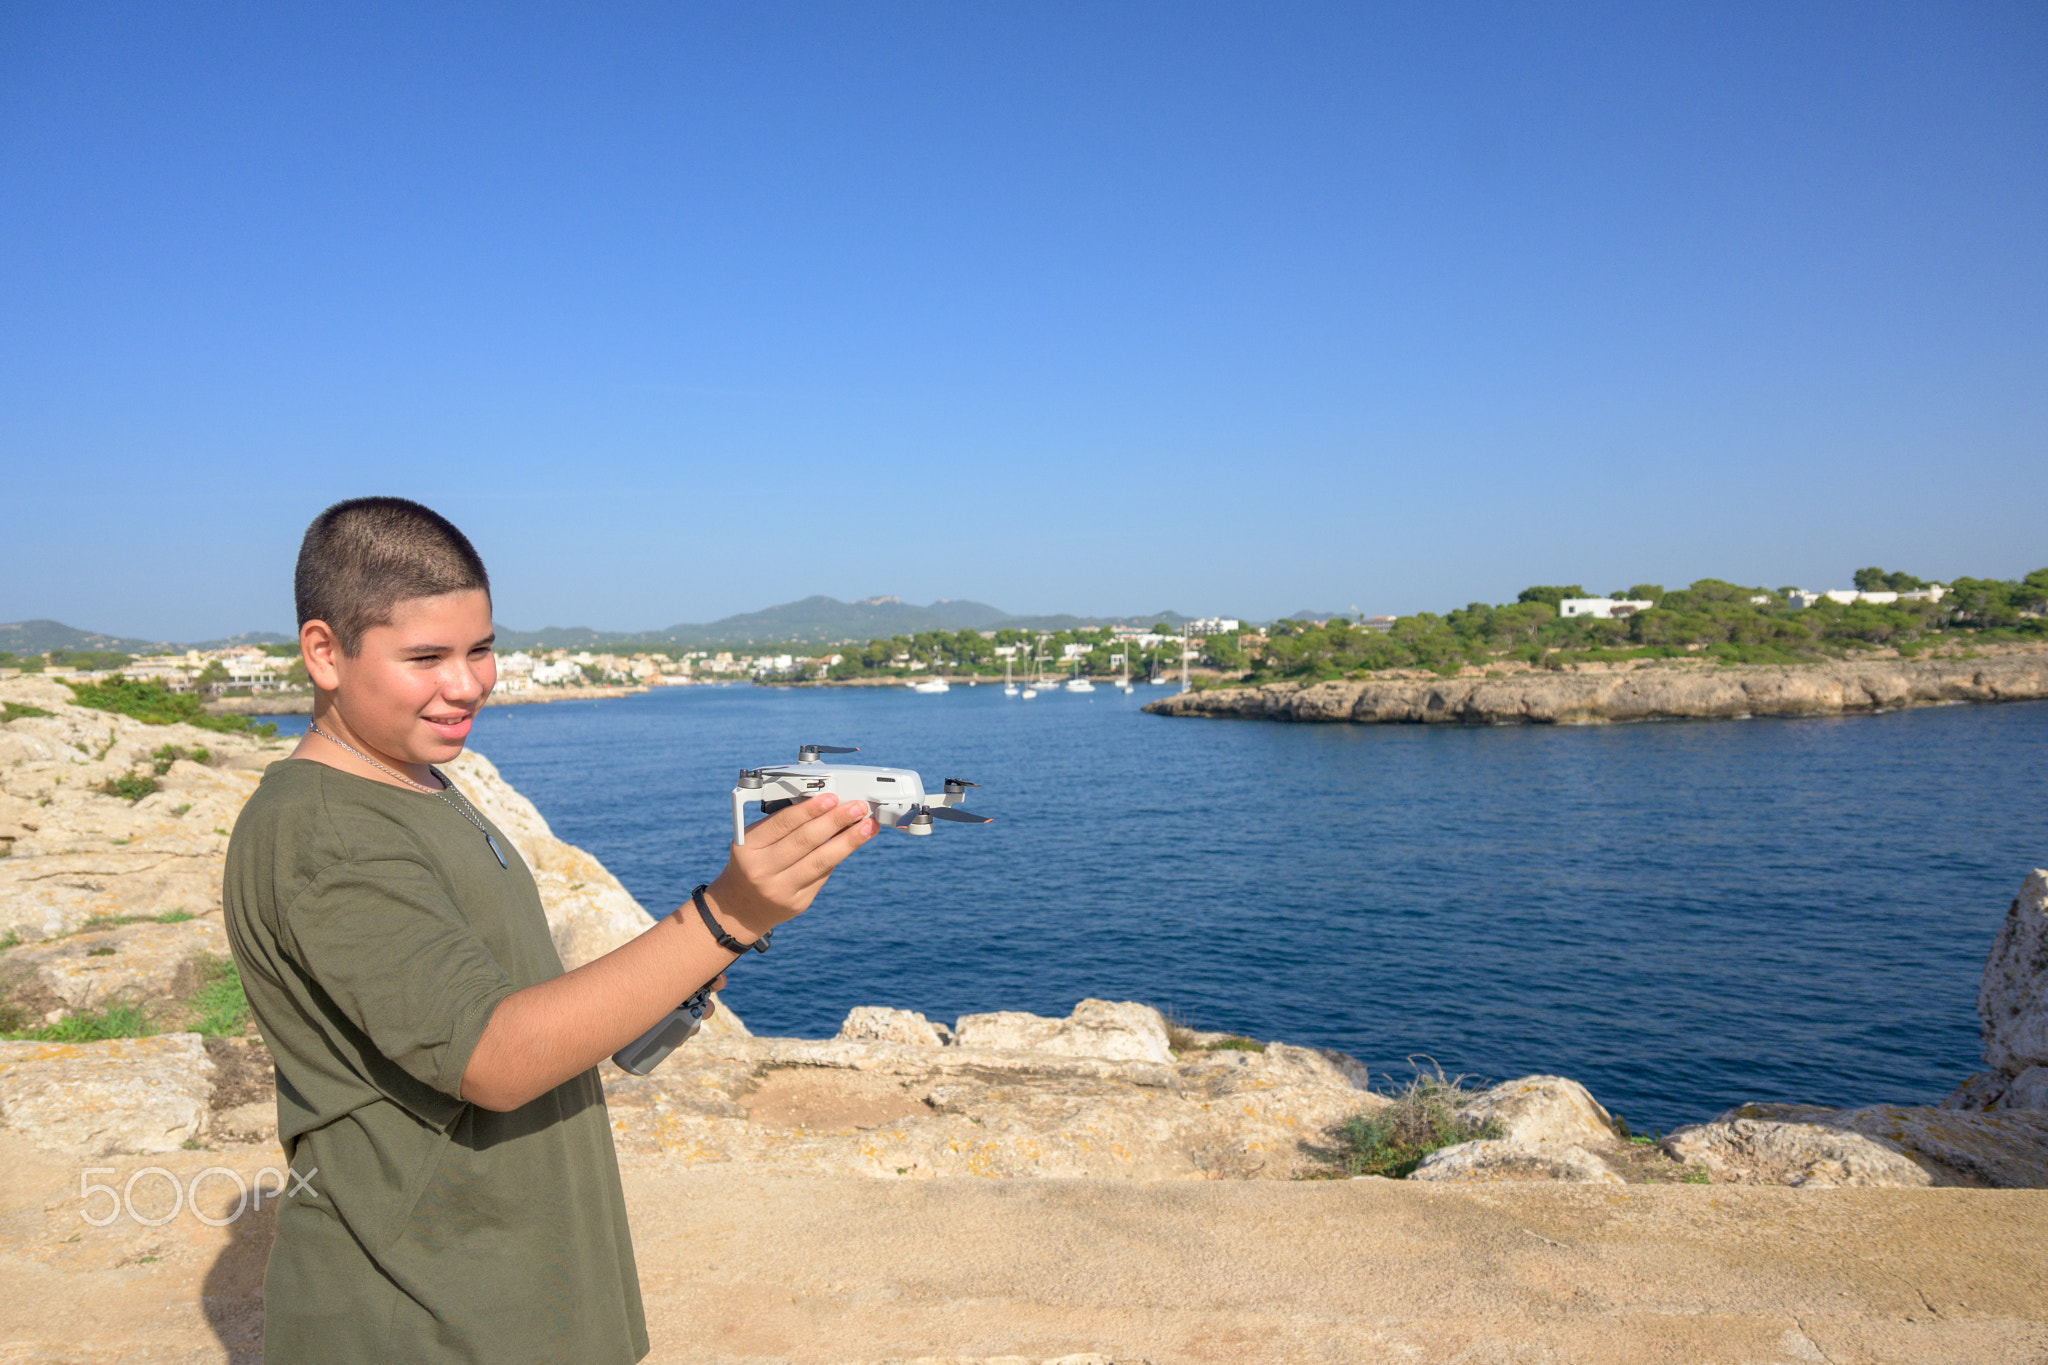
(1080, 685)
(931, 686)
(1029, 693)
(1009, 688)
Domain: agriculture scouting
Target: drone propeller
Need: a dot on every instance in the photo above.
(815, 749)
(953, 782)
(955, 813)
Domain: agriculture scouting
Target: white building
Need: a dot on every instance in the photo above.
(169, 670)
(1601, 608)
(557, 673)
(1214, 625)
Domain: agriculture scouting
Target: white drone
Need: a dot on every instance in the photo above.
(896, 795)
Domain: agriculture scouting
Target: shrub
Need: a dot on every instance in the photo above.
(1422, 1118)
(14, 710)
(155, 704)
(130, 787)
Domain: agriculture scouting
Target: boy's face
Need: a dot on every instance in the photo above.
(413, 690)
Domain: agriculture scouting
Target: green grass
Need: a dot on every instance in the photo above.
(220, 1002)
(217, 1009)
(14, 710)
(98, 922)
(116, 1021)
(1423, 1118)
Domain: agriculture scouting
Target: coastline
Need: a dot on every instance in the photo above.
(301, 703)
(1666, 690)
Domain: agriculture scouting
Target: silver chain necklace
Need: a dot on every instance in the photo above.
(457, 802)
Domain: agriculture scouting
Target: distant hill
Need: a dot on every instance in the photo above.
(814, 620)
(247, 637)
(39, 637)
(819, 620)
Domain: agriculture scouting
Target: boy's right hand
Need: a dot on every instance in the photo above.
(775, 875)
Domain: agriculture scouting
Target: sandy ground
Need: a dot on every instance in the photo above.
(740, 1266)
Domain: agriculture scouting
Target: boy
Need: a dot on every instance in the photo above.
(455, 1196)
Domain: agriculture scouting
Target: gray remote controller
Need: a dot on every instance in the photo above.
(674, 1029)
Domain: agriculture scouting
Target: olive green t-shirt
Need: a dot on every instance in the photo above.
(375, 933)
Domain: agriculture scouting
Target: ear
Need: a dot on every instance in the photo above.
(322, 653)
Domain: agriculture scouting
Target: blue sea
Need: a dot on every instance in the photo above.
(1684, 916)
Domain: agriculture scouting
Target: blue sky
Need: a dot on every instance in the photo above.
(687, 310)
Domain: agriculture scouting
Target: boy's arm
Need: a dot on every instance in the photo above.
(541, 1036)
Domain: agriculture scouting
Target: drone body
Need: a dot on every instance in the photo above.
(895, 795)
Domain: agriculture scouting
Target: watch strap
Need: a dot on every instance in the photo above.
(725, 940)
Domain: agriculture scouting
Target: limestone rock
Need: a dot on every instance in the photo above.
(1097, 1028)
(2012, 1002)
(880, 1024)
(133, 963)
(1982, 1091)
(2028, 1090)
(1496, 1159)
(1597, 694)
(890, 1109)
(1544, 1109)
(2006, 1148)
(255, 1121)
(127, 1095)
(1762, 1151)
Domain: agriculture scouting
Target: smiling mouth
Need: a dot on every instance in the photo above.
(453, 722)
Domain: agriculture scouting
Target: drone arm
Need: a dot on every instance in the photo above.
(740, 797)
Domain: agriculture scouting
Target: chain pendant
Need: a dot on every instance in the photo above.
(494, 848)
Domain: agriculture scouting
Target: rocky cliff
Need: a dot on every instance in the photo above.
(1657, 690)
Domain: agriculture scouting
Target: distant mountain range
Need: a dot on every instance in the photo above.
(40, 637)
(815, 620)
(821, 620)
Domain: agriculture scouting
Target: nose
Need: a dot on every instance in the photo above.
(462, 685)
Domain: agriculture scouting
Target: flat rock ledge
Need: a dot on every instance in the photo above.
(1669, 691)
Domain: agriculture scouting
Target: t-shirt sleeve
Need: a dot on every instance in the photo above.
(392, 951)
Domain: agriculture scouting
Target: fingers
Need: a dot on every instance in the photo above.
(799, 842)
(820, 862)
(778, 826)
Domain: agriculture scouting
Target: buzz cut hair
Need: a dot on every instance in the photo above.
(362, 557)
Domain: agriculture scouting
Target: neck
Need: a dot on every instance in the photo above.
(322, 748)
